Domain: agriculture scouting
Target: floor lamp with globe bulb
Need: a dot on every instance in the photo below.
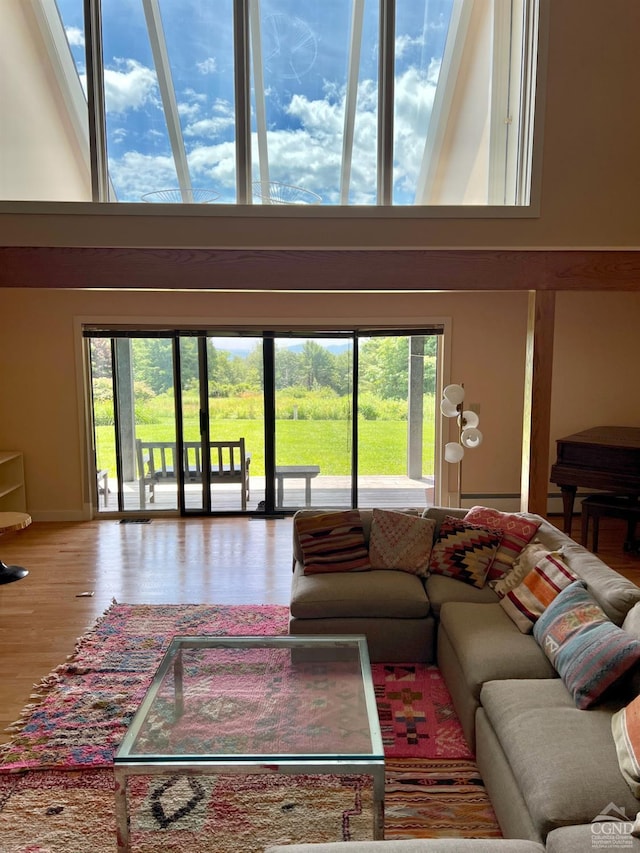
(469, 436)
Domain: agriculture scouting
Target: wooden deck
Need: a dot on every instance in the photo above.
(326, 491)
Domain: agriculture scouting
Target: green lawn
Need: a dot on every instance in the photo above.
(383, 444)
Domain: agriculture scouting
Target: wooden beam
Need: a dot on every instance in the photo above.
(537, 403)
(419, 270)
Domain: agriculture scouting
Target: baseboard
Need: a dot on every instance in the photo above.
(58, 515)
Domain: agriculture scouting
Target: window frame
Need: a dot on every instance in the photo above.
(535, 62)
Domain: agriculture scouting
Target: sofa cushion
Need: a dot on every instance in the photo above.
(614, 593)
(414, 845)
(441, 589)
(603, 835)
(400, 541)
(516, 531)
(488, 646)
(625, 727)
(386, 594)
(589, 652)
(332, 542)
(563, 758)
(526, 602)
(439, 513)
(464, 551)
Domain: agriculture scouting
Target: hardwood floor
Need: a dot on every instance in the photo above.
(216, 560)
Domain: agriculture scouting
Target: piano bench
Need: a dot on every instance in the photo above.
(612, 506)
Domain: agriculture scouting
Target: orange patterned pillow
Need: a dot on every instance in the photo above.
(527, 602)
(400, 541)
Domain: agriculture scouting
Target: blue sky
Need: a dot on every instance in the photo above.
(305, 48)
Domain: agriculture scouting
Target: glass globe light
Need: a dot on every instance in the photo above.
(469, 419)
(471, 437)
(448, 409)
(454, 393)
(453, 452)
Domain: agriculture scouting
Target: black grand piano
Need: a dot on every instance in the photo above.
(605, 458)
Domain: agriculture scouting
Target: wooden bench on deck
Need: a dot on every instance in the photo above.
(157, 463)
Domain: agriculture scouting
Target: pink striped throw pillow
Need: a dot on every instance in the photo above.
(332, 542)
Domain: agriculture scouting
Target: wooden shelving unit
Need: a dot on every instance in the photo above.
(12, 492)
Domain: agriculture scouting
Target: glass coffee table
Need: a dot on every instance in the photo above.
(290, 705)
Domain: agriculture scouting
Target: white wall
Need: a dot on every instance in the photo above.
(41, 155)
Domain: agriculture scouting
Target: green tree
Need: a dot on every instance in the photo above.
(100, 357)
(384, 366)
(153, 362)
(226, 370)
(316, 365)
(288, 368)
(255, 367)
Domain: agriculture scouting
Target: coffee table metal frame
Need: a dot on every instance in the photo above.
(128, 762)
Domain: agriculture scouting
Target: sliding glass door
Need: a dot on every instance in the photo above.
(396, 423)
(234, 405)
(314, 421)
(200, 423)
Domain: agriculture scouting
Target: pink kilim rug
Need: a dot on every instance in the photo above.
(56, 782)
(81, 711)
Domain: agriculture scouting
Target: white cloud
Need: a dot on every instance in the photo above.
(130, 88)
(75, 36)
(208, 66)
(308, 155)
(221, 120)
(211, 127)
(135, 174)
(404, 43)
(192, 95)
(189, 111)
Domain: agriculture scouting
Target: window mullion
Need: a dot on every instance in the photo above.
(168, 95)
(95, 100)
(386, 72)
(242, 81)
(261, 109)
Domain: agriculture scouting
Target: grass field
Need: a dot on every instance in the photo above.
(382, 443)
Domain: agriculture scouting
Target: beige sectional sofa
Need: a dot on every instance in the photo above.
(569, 839)
(549, 768)
(444, 845)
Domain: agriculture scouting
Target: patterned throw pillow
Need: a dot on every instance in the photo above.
(523, 564)
(528, 601)
(400, 541)
(587, 650)
(625, 727)
(464, 551)
(517, 531)
(332, 542)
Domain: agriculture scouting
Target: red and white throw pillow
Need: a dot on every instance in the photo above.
(517, 531)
